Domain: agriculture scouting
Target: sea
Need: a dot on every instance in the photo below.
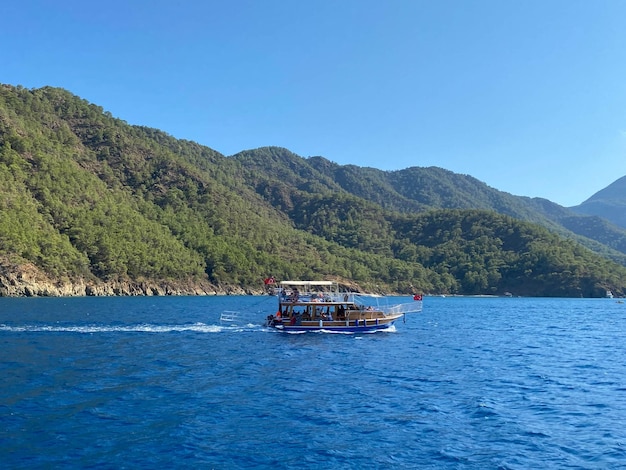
(163, 382)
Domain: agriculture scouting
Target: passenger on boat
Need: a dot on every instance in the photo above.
(341, 313)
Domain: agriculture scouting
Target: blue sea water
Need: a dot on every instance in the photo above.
(160, 382)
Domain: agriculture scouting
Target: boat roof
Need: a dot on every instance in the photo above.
(307, 283)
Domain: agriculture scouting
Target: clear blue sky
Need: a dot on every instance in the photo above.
(527, 96)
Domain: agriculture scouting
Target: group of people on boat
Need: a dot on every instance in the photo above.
(318, 305)
(296, 313)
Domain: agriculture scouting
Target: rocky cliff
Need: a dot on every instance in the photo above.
(29, 281)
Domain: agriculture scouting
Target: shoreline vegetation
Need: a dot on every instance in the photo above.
(19, 281)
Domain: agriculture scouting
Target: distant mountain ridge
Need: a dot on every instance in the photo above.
(608, 203)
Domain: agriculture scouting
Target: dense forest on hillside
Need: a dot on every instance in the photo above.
(84, 195)
(277, 170)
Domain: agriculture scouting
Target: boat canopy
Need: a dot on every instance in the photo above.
(307, 283)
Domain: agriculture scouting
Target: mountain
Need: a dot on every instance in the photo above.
(90, 205)
(292, 184)
(609, 203)
(415, 190)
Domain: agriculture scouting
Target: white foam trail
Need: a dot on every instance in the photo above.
(138, 328)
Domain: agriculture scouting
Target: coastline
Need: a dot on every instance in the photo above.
(29, 281)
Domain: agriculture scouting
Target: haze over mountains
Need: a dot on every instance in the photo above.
(608, 203)
(88, 200)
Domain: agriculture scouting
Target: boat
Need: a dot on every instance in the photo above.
(321, 306)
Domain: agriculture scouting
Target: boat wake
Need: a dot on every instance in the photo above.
(137, 328)
(391, 329)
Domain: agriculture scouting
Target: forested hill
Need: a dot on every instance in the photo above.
(418, 189)
(90, 204)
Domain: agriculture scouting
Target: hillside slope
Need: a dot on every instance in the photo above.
(419, 189)
(90, 205)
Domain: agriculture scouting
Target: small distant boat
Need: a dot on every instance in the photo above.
(319, 305)
(609, 294)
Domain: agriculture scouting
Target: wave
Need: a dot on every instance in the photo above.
(156, 328)
(137, 328)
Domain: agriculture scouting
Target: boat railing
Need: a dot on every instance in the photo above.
(382, 303)
(379, 302)
(411, 307)
(229, 316)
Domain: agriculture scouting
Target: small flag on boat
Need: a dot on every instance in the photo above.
(417, 297)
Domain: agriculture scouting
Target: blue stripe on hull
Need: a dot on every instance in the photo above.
(341, 329)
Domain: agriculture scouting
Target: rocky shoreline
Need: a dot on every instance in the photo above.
(29, 281)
